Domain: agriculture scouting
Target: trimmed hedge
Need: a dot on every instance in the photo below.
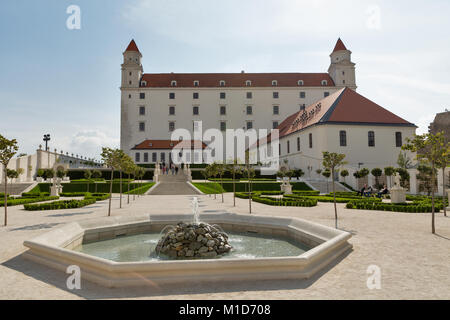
(306, 193)
(401, 207)
(294, 202)
(97, 196)
(57, 205)
(141, 190)
(82, 187)
(35, 194)
(209, 187)
(19, 201)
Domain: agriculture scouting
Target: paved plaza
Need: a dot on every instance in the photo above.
(414, 263)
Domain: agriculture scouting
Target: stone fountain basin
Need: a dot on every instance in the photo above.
(54, 249)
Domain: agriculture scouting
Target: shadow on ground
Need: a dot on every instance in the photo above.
(36, 227)
(69, 214)
(91, 290)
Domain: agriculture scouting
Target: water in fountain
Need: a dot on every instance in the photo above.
(195, 213)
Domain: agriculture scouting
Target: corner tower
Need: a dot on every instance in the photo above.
(132, 67)
(342, 69)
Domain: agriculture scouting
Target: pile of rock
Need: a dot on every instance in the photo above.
(193, 240)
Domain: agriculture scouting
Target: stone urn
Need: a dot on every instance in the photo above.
(286, 187)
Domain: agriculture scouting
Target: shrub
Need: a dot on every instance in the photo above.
(57, 205)
(141, 190)
(19, 201)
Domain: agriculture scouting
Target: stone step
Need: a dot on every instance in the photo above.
(327, 187)
(15, 188)
(173, 188)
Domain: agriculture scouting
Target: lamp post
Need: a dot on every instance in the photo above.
(46, 139)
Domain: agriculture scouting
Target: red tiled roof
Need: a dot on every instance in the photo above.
(339, 46)
(132, 46)
(186, 80)
(167, 144)
(344, 106)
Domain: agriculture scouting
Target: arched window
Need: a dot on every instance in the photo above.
(343, 138)
(324, 82)
(248, 83)
(222, 83)
(196, 83)
(274, 83)
(173, 83)
(371, 138)
(300, 82)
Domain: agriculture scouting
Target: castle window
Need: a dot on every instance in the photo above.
(195, 111)
(310, 141)
(248, 83)
(145, 156)
(142, 110)
(302, 107)
(130, 73)
(274, 83)
(173, 83)
(222, 83)
(371, 138)
(143, 83)
(326, 94)
(171, 126)
(223, 110)
(172, 95)
(300, 82)
(302, 95)
(298, 143)
(172, 110)
(276, 110)
(141, 126)
(343, 138)
(249, 125)
(196, 83)
(249, 95)
(129, 96)
(137, 157)
(195, 95)
(288, 148)
(398, 139)
(142, 95)
(154, 156)
(249, 110)
(223, 126)
(324, 82)
(275, 95)
(343, 73)
(274, 124)
(222, 95)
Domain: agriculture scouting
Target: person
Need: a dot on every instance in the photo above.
(383, 191)
(176, 169)
(363, 189)
(172, 167)
(369, 191)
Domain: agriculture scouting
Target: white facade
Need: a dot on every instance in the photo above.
(149, 112)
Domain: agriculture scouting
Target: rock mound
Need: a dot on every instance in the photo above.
(193, 240)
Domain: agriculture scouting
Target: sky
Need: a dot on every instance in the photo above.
(65, 82)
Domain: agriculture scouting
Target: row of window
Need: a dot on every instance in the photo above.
(222, 110)
(162, 157)
(248, 83)
(223, 125)
(343, 140)
(222, 95)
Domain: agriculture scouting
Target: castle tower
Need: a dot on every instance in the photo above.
(132, 67)
(342, 69)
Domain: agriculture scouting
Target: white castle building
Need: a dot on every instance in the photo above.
(314, 112)
(154, 105)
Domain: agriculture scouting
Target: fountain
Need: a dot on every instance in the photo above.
(190, 240)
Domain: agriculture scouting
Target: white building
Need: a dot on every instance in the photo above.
(153, 105)
(344, 122)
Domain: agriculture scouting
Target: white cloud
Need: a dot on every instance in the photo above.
(89, 142)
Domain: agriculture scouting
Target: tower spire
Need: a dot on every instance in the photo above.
(132, 46)
(339, 46)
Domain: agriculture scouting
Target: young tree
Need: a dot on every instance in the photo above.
(20, 172)
(96, 174)
(8, 148)
(122, 163)
(220, 167)
(344, 173)
(403, 161)
(88, 176)
(298, 173)
(40, 173)
(11, 174)
(377, 172)
(111, 158)
(234, 168)
(326, 173)
(212, 171)
(424, 177)
(389, 172)
(128, 169)
(431, 148)
(331, 161)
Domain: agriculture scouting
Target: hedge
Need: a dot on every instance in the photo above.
(141, 190)
(294, 202)
(264, 186)
(209, 187)
(97, 196)
(329, 199)
(401, 207)
(82, 187)
(64, 204)
(35, 194)
(19, 201)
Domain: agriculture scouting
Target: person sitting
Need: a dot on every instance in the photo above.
(363, 189)
(383, 192)
(368, 192)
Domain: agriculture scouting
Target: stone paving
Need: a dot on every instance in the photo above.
(414, 263)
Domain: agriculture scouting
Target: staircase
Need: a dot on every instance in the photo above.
(176, 184)
(15, 188)
(322, 186)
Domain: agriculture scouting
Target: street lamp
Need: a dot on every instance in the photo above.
(46, 139)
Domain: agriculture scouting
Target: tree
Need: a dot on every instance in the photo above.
(298, 173)
(431, 148)
(389, 172)
(212, 172)
(20, 172)
(123, 159)
(11, 174)
(424, 177)
(8, 148)
(377, 172)
(234, 168)
(96, 174)
(220, 167)
(49, 173)
(319, 171)
(326, 173)
(88, 176)
(40, 173)
(344, 173)
(61, 173)
(331, 161)
(111, 158)
(128, 169)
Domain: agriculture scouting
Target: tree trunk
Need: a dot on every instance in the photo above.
(110, 192)
(6, 199)
(250, 196)
(444, 196)
(433, 229)
(221, 185)
(120, 187)
(134, 187)
(234, 189)
(334, 200)
(128, 198)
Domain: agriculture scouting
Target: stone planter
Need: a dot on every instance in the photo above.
(40, 179)
(398, 195)
(286, 188)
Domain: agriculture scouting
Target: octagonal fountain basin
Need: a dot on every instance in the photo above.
(120, 251)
